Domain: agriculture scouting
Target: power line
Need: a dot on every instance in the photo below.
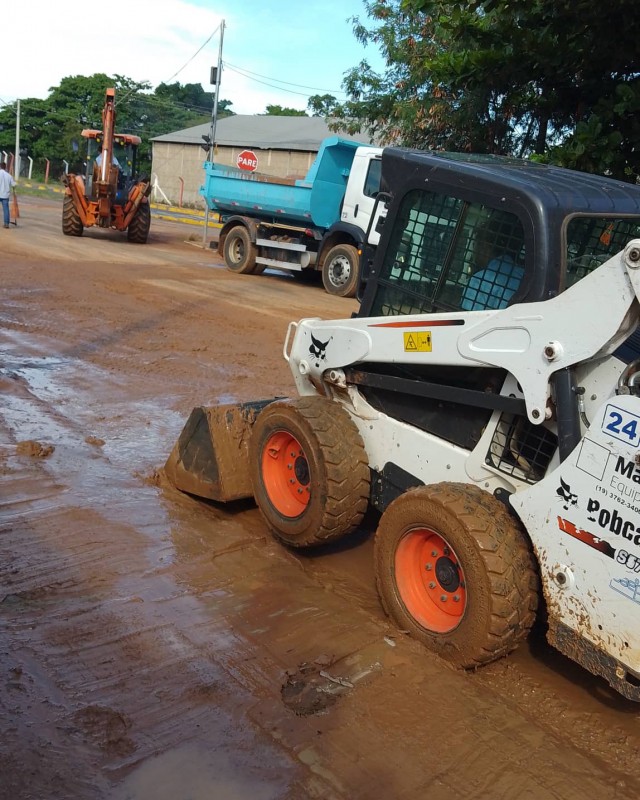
(247, 73)
(270, 85)
(194, 55)
(124, 97)
(142, 99)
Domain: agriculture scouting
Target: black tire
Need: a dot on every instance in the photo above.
(239, 251)
(340, 270)
(309, 471)
(138, 230)
(71, 222)
(455, 570)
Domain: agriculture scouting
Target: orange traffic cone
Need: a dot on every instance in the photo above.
(15, 211)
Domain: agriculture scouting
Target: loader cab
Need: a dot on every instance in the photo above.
(125, 149)
(466, 233)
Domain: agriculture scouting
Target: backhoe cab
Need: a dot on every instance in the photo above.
(109, 194)
(485, 401)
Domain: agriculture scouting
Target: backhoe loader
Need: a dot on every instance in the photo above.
(109, 194)
(485, 401)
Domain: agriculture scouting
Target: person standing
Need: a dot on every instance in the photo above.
(6, 184)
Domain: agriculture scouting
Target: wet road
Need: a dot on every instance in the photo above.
(156, 646)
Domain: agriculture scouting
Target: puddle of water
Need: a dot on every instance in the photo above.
(193, 773)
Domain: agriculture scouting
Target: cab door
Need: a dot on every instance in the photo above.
(362, 188)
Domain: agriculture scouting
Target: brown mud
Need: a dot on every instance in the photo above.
(156, 646)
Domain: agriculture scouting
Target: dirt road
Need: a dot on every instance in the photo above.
(154, 647)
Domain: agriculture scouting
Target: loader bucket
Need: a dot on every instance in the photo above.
(211, 457)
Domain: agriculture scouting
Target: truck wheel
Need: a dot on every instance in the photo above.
(71, 222)
(138, 230)
(456, 571)
(340, 271)
(239, 251)
(309, 471)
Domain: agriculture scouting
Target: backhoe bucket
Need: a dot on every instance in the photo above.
(211, 457)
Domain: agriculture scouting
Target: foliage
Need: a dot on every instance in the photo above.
(557, 78)
(51, 129)
(283, 111)
(322, 105)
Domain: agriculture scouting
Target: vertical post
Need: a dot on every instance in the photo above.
(214, 119)
(214, 114)
(66, 166)
(16, 173)
(30, 166)
(46, 172)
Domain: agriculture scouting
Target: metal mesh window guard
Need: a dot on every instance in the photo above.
(521, 449)
(593, 240)
(449, 255)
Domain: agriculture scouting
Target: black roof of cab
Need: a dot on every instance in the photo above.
(543, 196)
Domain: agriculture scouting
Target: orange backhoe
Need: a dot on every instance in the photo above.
(109, 194)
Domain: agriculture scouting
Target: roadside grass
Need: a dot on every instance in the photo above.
(31, 188)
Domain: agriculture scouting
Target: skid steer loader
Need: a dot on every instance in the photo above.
(485, 400)
(109, 194)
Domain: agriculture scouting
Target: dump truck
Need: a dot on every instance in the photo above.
(483, 403)
(109, 194)
(302, 226)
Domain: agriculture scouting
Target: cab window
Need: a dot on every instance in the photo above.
(449, 254)
(590, 241)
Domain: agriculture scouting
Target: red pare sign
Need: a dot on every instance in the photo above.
(248, 160)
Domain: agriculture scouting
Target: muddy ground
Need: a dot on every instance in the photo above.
(156, 647)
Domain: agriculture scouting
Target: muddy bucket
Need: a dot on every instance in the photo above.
(211, 457)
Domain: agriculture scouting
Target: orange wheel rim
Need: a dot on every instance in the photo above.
(430, 580)
(285, 474)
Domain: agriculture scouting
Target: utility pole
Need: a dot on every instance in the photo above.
(216, 74)
(16, 161)
(214, 113)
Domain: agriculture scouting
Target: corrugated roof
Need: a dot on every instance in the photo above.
(262, 132)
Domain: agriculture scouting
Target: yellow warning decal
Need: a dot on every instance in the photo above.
(417, 342)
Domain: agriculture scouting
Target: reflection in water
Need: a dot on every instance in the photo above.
(193, 773)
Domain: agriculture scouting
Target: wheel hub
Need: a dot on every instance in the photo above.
(447, 574)
(286, 474)
(340, 271)
(430, 580)
(301, 470)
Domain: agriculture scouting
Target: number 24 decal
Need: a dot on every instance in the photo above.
(622, 425)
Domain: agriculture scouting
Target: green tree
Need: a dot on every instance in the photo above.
(191, 95)
(519, 77)
(52, 128)
(224, 108)
(283, 111)
(322, 105)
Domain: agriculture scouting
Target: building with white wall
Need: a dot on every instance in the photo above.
(283, 146)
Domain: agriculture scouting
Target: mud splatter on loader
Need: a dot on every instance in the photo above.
(480, 401)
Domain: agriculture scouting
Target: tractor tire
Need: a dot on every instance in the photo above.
(138, 230)
(239, 251)
(340, 271)
(455, 570)
(309, 471)
(71, 222)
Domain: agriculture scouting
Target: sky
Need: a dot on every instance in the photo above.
(274, 52)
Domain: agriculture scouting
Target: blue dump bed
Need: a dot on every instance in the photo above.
(315, 200)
